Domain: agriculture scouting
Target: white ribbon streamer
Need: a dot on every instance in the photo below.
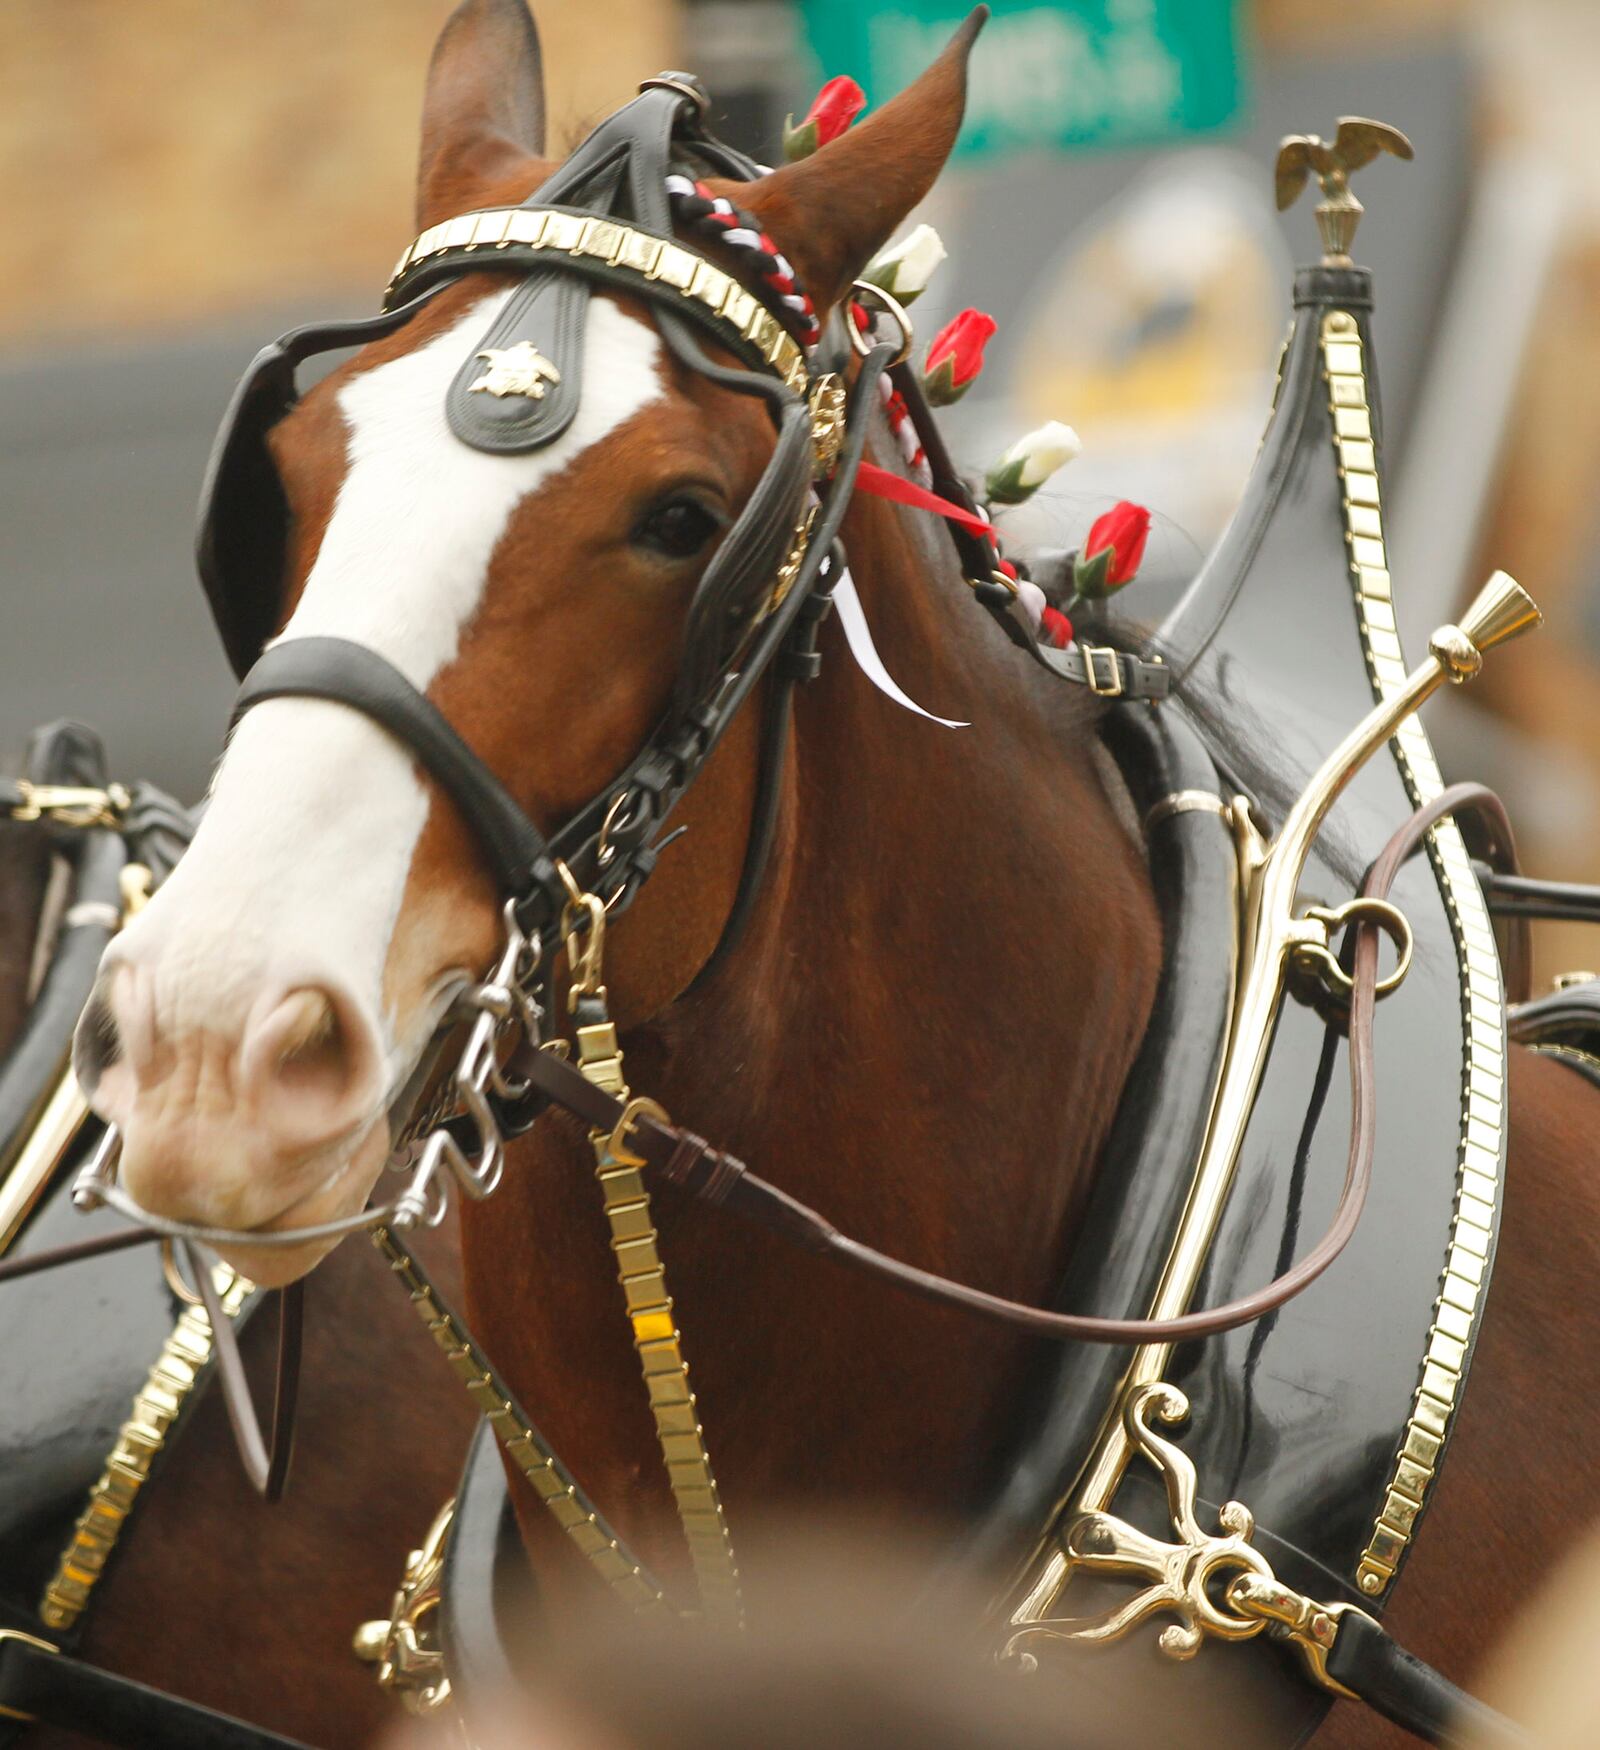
(858, 635)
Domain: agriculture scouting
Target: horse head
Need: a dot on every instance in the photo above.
(254, 1026)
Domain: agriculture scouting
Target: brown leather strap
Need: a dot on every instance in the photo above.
(27, 1263)
(683, 1158)
(266, 1466)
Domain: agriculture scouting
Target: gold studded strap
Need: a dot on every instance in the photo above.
(656, 1339)
(527, 237)
(157, 1405)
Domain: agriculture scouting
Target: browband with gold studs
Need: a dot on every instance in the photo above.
(518, 236)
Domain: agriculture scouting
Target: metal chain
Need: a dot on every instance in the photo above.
(532, 1454)
(504, 1011)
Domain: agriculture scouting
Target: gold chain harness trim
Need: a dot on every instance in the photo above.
(156, 1406)
(475, 237)
(656, 1339)
(527, 1448)
(1478, 1170)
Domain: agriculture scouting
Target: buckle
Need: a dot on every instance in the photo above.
(1108, 689)
(13, 1634)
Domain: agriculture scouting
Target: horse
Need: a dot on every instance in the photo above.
(924, 1028)
(204, 1557)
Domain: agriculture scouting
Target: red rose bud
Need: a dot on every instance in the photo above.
(1055, 629)
(956, 357)
(837, 105)
(1111, 552)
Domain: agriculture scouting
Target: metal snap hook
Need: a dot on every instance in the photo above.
(585, 956)
(606, 854)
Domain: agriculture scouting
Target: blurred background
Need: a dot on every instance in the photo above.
(184, 180)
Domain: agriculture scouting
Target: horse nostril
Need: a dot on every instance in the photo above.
(96, 1042)
(308, 1045)
(311, 1062)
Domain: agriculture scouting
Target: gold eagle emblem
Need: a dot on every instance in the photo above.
(1300, 156)
(1357, 143)
(515, 370)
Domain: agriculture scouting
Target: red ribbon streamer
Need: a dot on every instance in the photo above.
(882, 484)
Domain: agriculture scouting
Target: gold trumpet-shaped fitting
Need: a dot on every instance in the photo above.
(1501, 610)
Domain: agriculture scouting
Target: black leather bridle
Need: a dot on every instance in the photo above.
(736, 632)
(739, 628)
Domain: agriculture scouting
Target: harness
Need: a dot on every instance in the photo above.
(606, 220)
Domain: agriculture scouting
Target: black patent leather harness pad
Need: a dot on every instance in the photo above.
(543, 321)
(241, 537)
(1311, 1414)
(617, 170)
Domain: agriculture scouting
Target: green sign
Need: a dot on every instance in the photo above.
(1050, 73)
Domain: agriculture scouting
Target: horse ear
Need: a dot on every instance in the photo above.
(483, 110)
(833, 211)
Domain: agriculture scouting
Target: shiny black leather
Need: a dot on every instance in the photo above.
(1523, 896)
(336, 668)
(547, 311)
(1134, 1204)
(1299, 1416)
(659, 774)
(618, 170)
(59, 1690)
(242, 532)
(1563, 1024)
(487, 1583)
(62, 753)
(1568, 1016)
(1412, 1694)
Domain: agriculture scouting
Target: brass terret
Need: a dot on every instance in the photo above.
(1357, 143)
(26, 1175)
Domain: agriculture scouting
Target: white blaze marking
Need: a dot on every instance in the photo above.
(300, 864)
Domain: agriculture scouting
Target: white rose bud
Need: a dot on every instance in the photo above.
(1030, 461)
(905, 268)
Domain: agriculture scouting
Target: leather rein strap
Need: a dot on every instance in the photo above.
(266, 1463)
(682, 1158)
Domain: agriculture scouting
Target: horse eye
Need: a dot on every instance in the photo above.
(677, 528)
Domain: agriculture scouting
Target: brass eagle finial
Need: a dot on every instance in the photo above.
(1357, 142)
(515, 370)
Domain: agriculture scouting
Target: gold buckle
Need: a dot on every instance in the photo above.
(1111, 689)
(409, 1658)
(16, 1634)
(617, 1146)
